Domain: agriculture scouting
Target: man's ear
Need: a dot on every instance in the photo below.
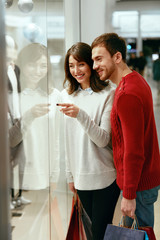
(117, 57)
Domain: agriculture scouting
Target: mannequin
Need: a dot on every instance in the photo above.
(17, 157)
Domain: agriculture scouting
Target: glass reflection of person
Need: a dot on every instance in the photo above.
(17, 157)
(86, 106)
(41, 141)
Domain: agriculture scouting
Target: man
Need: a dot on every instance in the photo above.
(132, 62)
(156, 73)
(141, 63)
(134, 135)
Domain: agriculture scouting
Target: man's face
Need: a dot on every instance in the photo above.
(104, 64)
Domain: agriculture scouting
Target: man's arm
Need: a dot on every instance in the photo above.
(130, 111)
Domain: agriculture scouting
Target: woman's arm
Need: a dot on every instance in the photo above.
(131, 115)
(99, 134)
(36, 111)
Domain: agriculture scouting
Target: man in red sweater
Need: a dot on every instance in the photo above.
(134, 136)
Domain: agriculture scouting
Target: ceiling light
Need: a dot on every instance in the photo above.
(25, 5)
(8, 3)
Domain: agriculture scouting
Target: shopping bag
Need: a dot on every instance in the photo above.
(149, 231)
(76, 229)
(87, 224)
(73, 229)
(124, 233)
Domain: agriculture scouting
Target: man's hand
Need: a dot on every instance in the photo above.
(69, 109)
(128, 207)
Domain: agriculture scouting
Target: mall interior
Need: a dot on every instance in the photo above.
(41, 210)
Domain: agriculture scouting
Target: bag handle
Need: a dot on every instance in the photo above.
(135, 223)
(75, 197)
(77, 202)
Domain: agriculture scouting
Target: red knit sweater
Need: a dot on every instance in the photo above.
(134, 136)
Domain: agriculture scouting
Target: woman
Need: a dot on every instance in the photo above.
(41, 142)
(86, 106)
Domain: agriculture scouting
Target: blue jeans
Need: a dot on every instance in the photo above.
(144, 207)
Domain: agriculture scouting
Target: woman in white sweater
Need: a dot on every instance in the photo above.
(40, 129)
(86, 105)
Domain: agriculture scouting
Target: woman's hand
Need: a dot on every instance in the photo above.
(69, 109)
(71, 187)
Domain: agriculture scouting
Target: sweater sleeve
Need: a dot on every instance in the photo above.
(69, 175)
(130, 112)
(27, 119)
(99, 134)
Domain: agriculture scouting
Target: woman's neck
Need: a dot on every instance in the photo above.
(85, 86)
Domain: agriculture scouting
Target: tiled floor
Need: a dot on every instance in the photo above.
(45, 213)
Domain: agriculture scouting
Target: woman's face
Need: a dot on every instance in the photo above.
(35, 71)
(80, 71)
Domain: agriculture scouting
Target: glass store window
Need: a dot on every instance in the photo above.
(35, 55)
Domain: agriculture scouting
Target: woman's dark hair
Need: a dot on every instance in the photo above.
(82, 53)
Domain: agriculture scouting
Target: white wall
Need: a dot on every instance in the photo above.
(92, 19)
(72, 22)
(86, 19)
(142, 6)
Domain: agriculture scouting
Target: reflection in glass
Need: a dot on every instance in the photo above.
(32, 31)
(41, 102)
(45, 217)
(8, 3)
(25, 5)
(17, 156)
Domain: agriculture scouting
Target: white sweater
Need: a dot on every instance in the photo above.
(89, 161)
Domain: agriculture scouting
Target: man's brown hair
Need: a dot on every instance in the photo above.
(112, 42)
